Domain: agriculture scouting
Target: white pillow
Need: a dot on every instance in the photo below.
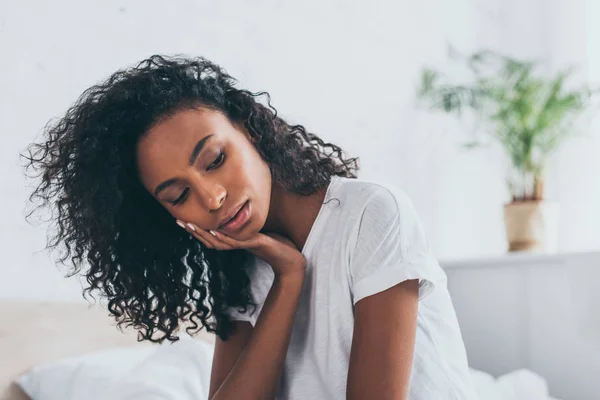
(521, 384)
(179, 370)
(485, 385)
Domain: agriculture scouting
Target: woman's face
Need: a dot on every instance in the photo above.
(201, 167)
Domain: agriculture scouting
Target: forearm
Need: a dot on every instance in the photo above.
(258, 369)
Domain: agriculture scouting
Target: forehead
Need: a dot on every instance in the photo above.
(184, 126)
(170, 142)
(180, 133)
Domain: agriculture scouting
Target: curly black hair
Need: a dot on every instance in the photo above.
(155, 275)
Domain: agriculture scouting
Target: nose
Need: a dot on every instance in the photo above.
(212, 196)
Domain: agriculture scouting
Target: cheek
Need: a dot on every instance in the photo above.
(250, 163)
(177, 215)
(185, 211)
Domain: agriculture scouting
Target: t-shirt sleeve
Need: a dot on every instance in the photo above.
(391, 247)
(237, 315)
(261, 279)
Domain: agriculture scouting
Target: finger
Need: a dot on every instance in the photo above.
(234, 243)
(219, 245)
(204, 240)
(203, 235)
(191, 230)
(223, 238)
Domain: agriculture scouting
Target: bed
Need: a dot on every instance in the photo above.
(33, 332)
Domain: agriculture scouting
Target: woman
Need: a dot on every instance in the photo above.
(181, 198)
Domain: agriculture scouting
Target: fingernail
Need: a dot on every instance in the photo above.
(180, 224)
(191, 227)
(212, 233)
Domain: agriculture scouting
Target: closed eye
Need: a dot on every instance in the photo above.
(217, 163)
(181, 198)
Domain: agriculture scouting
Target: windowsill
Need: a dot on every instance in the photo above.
(516, 259)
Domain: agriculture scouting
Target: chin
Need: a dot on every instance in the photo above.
(254, 226)
(248, 232)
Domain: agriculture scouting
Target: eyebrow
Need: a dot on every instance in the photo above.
(195, 153)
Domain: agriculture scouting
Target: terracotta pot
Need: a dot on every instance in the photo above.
(532, 225)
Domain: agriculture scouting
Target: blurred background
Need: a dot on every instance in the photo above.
(350, 72)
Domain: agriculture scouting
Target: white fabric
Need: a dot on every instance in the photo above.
(521, 384)
(75, 377)
(366, 238)
(178, 371)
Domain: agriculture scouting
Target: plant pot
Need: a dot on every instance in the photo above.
(532, 225)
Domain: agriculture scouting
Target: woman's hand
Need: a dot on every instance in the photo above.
(278, 251)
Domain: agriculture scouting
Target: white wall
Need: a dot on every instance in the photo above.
(577, 164)
(346, 71)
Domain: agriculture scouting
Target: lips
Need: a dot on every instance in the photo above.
(232, 216)
(239, 221)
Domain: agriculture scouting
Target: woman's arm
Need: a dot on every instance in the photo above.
(227, 352)
(256, 373)
(258, 369)
(383, 344)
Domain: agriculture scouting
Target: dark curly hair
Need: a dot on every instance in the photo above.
(154, 274)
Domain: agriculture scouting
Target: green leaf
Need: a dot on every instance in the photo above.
(471, 145)
(529, 114)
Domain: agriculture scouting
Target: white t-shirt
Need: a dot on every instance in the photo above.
(366, 238)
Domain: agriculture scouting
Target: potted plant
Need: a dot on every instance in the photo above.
(530, 115)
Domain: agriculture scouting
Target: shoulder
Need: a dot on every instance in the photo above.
(365, 193)
(379, 204)
(372, 210)
(389, 243)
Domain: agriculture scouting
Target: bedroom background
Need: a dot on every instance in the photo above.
(373, 54)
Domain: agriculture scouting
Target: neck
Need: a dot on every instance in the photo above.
(292, 215)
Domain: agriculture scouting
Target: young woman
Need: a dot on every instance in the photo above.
(181, 199)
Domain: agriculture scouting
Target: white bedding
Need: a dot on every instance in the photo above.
(178, 371)
(181, 371)
(521, 384)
